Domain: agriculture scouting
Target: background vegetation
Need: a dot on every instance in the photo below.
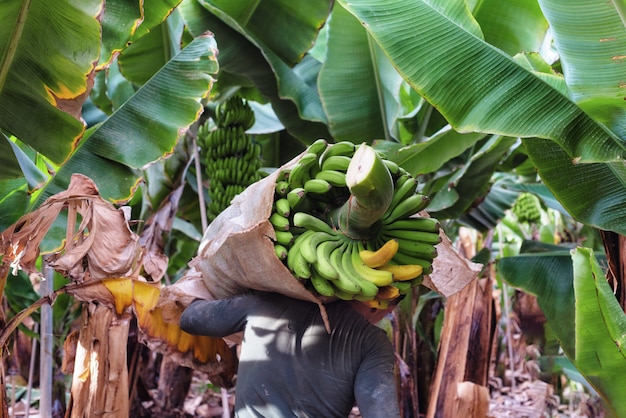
(485, 101)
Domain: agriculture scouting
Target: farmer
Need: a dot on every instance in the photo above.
(290, 366)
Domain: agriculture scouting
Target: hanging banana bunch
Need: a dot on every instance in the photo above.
(527, 208)
(230, 158)
(345, 224)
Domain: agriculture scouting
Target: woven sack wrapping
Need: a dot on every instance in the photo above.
(237, 254)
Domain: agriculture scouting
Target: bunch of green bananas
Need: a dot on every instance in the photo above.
(399, 250)
(230, 159)
(527, 208)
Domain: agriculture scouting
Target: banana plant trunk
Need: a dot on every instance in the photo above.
(100, 378)
(615, 250)
(459, 386)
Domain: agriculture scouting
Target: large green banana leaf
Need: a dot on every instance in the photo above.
(47, 50)
(146, 55)
(582, 311)
(471, 181)
(293, 98)
(358, 86)
(547, 275)
(125, 22)
(514, 26)
(268, 21)
(145, 128)
(478, 87)
(590, 39)
(136, 38)
(119, 21)
(600, 331)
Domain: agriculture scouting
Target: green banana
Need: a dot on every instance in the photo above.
(300, 172)
(378, 277)
(348, 270)
(344, 282)
(340, 294)
(280, 222)
(409, 206)
(318, 147)
(253, 153)
(308, 247)
(416, 224)
(393, 167)
(404, 187)
(296, 262)
(431, 238)
(282, 175)
(316, 185)
(336, 163)
(418, 249)
(333, 177)
(345, 148)
(321, 285)
(284, 237)
(295, 197)
(323, 264)
(282, 207)
(402, 258)
(281, 251)
(308, 221)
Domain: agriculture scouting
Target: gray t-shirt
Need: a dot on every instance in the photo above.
(290, 366)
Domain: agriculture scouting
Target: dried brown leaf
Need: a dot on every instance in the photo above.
(151, 240)
(158, 321)
(102, 246)
(451, 271)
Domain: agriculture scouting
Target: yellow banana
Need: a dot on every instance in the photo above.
(374, 276)
(376, 303)
(388, 293)
(403, 272)
(381, 256)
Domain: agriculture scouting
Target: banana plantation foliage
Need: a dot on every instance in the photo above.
(460, 154)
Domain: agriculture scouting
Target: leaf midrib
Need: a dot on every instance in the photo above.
(14, 40)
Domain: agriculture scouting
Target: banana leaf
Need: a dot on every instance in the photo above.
(520, 26)
(547, 275)
(581, 309)
(589, 37)
(470, 181)
(295, 101)
(479, 88)
(47, 52)
(147, 54)
(600, 331)
(358, 86)
(145, 128)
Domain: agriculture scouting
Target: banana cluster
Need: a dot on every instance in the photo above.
(527, 208)
(330, 263)
(234, 112)
(230, 159)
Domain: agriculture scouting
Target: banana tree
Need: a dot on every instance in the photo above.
(492, 90)
(49, 70)
(448, 89)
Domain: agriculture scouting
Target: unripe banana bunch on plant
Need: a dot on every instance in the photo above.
(344, 222)
(527, 208)
(229, 157)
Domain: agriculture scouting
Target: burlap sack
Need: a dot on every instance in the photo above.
(237, 250)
